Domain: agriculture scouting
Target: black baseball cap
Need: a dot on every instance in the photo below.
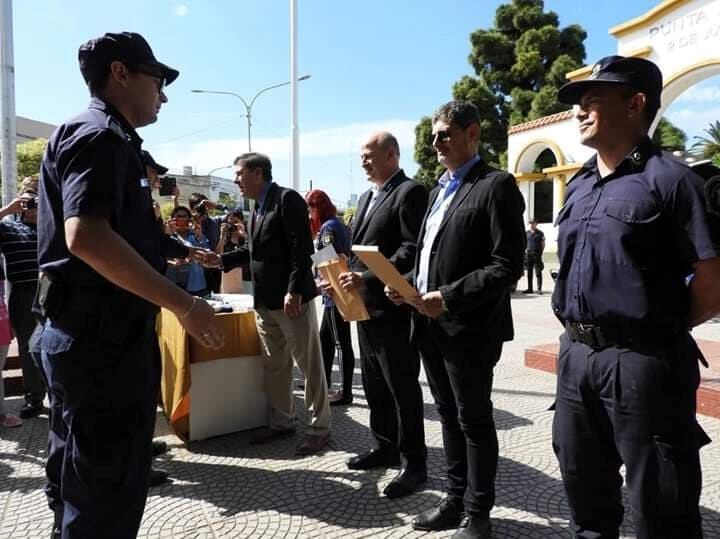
(150, 162)
(130, 48)
(638, 73)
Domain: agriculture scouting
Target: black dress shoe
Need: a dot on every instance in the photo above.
(340, 399)
(477, 528)
(30, 409)
(406, 482)
(445, 516)
(158, 477)
(158, 447)
(375, 458)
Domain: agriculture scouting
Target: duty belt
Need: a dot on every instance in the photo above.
(596, 336)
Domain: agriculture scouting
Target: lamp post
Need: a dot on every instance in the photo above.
(249, 106)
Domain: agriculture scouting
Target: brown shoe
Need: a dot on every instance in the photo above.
(312, 444)
(267, 435)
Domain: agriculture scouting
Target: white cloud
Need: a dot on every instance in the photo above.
(700, 94)
(181, 10)
(323, 143)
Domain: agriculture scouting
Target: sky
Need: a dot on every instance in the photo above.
(374, 64)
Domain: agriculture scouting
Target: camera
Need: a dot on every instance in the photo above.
(167, 185)
(28, 203)
(231, 227)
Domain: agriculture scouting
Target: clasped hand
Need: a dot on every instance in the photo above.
(429, 304)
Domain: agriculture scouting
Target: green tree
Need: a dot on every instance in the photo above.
(669, 136)
(709, 147)
(519, 64)
(29, 157)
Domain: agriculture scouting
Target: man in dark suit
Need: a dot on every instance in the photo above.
(389, 216)
(279, 254)
(470, 252)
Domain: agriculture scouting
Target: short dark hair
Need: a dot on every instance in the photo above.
(254, 160)
(651, 105)
(195, 199)
(178, 209)
(459, 113)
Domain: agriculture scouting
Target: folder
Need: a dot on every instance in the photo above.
(384, 270)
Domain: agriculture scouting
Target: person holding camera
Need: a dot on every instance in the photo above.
(18, 243)
(210, 227)
(187, 274)
(233, 235)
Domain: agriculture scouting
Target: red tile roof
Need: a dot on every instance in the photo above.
(545, 120)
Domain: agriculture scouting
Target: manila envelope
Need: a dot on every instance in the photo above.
(350, 304)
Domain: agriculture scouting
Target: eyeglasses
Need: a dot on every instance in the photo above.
(159, 79)
(440, 136)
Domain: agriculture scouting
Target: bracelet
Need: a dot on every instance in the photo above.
(192, 306)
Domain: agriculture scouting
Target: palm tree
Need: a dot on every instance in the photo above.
(708, 147)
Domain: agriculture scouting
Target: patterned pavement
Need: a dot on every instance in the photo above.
(223, 487)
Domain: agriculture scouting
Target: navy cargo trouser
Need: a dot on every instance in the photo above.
(103, 395)
(635, 407)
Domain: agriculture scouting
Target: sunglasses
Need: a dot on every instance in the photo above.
(159, 79)
(440, 136)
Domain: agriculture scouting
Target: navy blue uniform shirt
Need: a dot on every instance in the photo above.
(627, 242)
(93, 167)
(535, 241)
(333, 232)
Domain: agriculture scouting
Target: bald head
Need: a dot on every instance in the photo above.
(380, 157)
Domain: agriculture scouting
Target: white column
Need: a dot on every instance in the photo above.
(294, 151)
(8, 128)
(558, 194)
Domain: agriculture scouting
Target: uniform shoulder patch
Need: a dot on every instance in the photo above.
(327, 238)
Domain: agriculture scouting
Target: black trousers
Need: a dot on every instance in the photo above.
(103, 396)
(23, 324)
(460, 374)
(390, 370)
(635, 407)
(335, 331)
(213, 278)
(534, 264)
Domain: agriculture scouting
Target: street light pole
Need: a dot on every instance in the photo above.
(249, 106)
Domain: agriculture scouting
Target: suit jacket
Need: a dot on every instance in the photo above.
(478, 254)
(279, 250)
(392, 224)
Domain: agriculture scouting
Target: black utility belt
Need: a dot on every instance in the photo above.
(596, 336)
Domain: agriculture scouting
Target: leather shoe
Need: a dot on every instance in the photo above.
(31, 409)
(375, 458)
(340, 399)
(477, 528)
(158, 447)
(526, 292)
(406, 482)
(267, 435)
(445, 516)
(158, 477)
(313, 443)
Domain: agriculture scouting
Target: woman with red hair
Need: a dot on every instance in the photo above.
(334, 331)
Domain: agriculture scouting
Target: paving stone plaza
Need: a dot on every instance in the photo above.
(224, 487)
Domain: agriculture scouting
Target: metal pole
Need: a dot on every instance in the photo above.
(8, 128)
(248, 115)
(294, 161)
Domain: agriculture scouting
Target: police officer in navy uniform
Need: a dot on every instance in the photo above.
(533, 256)
(631, 234)
(101, 255)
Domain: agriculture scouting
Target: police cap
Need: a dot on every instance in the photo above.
(638, 73)
(130, 48)
(150, 162)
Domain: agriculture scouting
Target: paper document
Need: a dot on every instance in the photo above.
(384, 270)
(331, 265)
